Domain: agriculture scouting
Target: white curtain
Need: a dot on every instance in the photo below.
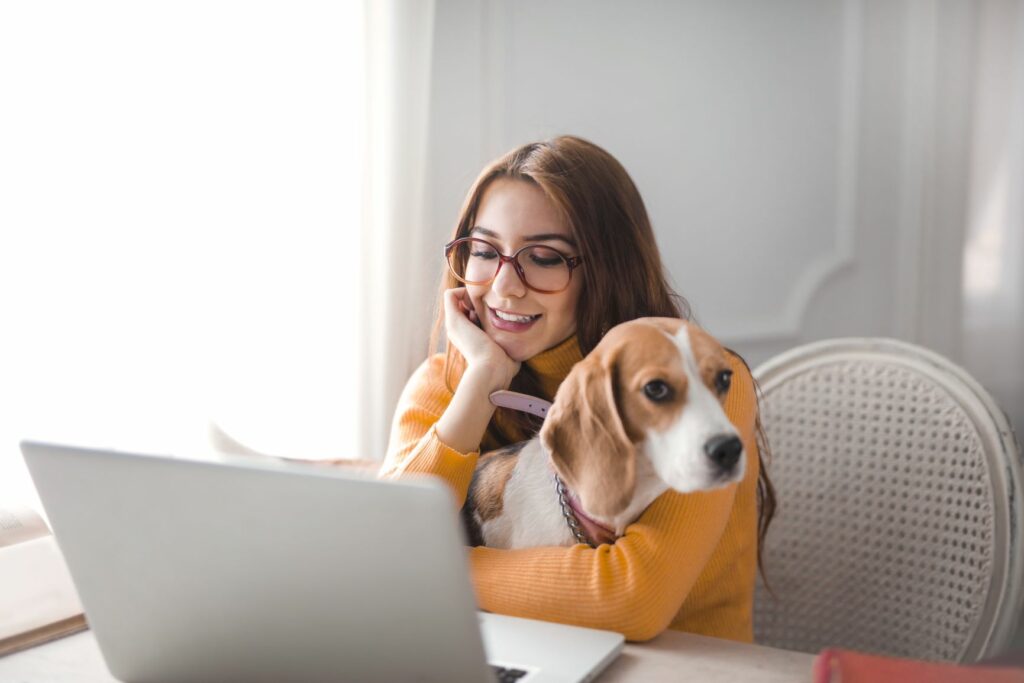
(399, 273)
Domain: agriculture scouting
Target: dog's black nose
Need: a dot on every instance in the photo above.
(724, 450)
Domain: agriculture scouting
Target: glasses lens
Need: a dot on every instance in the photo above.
(473, 261)
(544, 268)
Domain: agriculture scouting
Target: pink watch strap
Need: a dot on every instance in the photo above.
(522, 402)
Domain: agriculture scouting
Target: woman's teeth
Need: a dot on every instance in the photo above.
(514, 318)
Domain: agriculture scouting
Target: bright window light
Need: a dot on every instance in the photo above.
(180, 202)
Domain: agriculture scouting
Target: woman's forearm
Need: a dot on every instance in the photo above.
(464, 422)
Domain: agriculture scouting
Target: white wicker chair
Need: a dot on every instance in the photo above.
(899, 523)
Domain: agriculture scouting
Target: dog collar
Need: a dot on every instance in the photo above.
(522, 402)
(584, 528)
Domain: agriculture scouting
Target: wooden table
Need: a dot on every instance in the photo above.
(673, 656)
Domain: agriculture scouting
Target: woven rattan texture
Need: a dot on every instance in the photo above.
(883, 538)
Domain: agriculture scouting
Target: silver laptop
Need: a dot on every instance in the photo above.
(252, 570)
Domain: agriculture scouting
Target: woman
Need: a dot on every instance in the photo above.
(585, 260)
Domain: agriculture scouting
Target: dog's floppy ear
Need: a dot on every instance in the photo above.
(587, 441)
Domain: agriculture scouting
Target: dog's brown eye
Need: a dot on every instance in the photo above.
(658, 391)
(723, 380)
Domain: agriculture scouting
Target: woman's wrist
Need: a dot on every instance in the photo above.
(464, 422)
(486, 378)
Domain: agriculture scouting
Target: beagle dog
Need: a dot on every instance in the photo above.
(642, 413)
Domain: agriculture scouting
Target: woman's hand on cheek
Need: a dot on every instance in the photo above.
(482, 354)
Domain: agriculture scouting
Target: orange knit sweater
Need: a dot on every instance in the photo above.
(688, 563)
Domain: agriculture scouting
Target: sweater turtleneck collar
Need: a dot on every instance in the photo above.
(552, 366)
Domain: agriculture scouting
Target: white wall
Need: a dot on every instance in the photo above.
(993, 288)
(807, 165)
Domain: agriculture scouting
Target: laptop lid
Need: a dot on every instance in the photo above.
(203, 571)
(261, 570)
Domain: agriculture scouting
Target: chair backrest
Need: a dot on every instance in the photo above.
(899, 523)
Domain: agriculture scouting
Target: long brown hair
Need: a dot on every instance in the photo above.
(623, 275)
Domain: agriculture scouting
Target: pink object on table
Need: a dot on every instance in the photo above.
(845, 666)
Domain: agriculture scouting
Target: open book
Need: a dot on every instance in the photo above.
(38, 601)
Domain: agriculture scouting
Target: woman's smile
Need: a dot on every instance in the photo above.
(511, 322)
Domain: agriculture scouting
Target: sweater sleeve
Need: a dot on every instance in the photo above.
(413, 446)
(636, 585)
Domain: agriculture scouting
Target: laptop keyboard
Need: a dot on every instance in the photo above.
(508, 675)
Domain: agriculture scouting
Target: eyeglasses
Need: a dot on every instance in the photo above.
(543, 269)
